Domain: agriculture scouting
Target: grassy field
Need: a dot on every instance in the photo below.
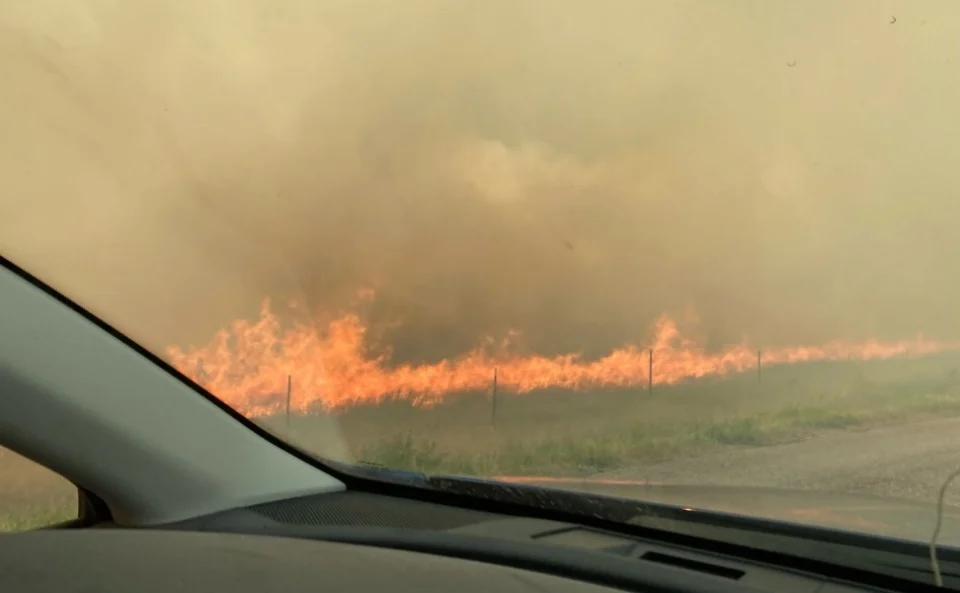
(578, 433)
(562, 432)
(32, 496)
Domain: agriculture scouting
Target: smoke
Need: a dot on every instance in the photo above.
(571, 170)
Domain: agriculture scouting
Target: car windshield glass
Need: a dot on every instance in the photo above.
(696, 252)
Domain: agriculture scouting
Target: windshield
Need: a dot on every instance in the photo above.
(663, 249)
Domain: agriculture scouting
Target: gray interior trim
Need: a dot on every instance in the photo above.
(81, 402)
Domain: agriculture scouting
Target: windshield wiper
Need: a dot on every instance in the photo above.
(376, 471)
(568, 502)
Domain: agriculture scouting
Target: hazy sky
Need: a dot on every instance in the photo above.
(789, 170)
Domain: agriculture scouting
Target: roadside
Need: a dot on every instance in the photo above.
(908, 461)
(649, 444)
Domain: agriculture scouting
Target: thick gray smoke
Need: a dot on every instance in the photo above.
(788, 170)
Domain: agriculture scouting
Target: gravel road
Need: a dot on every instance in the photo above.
(908, 462)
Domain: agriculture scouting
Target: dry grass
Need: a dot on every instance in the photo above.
(557, 432)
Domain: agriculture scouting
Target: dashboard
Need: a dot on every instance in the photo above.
(125, 561)
(366, 542)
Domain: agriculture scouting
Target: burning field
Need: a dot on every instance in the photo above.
(564, 432)
(496, 410)
(582, 235)
(254, 366)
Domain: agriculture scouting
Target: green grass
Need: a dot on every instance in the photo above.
(27, 517)
(32, 496)
(601, 452)
(576, 434)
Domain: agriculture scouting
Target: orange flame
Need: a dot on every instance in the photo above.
(248, 364)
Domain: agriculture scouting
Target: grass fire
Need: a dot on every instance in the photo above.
(250, 364)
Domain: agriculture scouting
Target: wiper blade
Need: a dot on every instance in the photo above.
(375, 471)
(380, 471)
(606, 508)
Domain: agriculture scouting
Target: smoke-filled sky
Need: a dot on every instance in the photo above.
(787, 170)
